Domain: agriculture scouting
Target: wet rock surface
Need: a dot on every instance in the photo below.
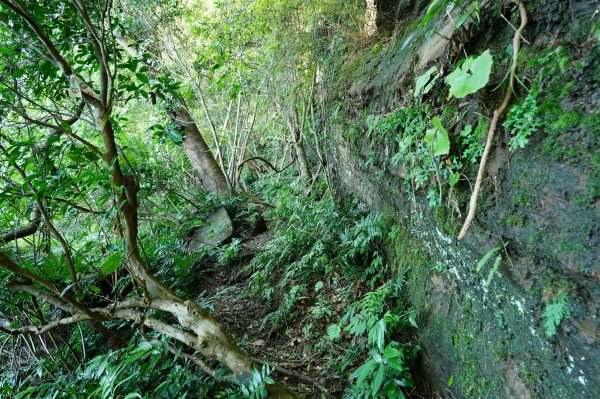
(541, 202)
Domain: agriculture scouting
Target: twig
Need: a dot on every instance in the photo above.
(497, 114)
(245, 191)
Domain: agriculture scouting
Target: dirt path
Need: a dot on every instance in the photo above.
(282, 346)
(243, 316)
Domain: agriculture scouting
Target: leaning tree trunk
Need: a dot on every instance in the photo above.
(296, 127)
(203, 162)
(211, 176)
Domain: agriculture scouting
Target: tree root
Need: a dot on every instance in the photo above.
(294, 374)
(497, 114)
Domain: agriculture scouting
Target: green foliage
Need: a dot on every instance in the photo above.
(523, 120)
(227, 253)
(384, 375)
(141, 370)
(437, 138)
(472, 142)
(468, 9)
(554, 313)
(386, 371)
(413, 155)
(425, 83)
(492, 271)
(484, 260)
(314, 239)
(111, 264)
(322, 251)
(471, 76)
(256, 386)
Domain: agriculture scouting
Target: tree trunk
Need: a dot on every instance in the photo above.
(296, 127)
(303, 166)
(203, 162)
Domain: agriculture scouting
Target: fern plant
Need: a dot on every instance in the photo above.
(555, 313)
(523, 120)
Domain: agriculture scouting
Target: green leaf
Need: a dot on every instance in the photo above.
(111, 264)
(333, 332)
(94, 288)
(471, 76)
(391, 352)
(67, 288)
(555, 312)
(66, 126)
(318, 286)
(450, 381)
(433, 9)
(377, 380)
(363, 371)
(438, 138)
(142, 78)
(492, 271)
(453, 178)
(423, 80)
(175, 136)
(485, 258)
(5, 50)
(380, 334)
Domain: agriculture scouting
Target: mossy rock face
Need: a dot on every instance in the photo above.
(484, 329)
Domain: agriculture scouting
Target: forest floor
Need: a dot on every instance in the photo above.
(284, 347)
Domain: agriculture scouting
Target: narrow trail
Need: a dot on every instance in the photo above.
(285, 347)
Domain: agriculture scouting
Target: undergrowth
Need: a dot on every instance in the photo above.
(326, 273)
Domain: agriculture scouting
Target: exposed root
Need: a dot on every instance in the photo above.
(497, 114)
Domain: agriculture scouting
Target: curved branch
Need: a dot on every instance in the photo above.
(34, 225)
(269, 164)
(37, 293)
(243, 189)
(8, 264)
(497, 114)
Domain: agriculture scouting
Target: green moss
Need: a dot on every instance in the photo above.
(514, 220)
(468, 348)
(566, 121)
(523, 199)
(410, 258)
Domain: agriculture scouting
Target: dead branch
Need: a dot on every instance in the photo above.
(26, 231)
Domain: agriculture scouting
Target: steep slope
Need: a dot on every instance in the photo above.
(489, 331)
